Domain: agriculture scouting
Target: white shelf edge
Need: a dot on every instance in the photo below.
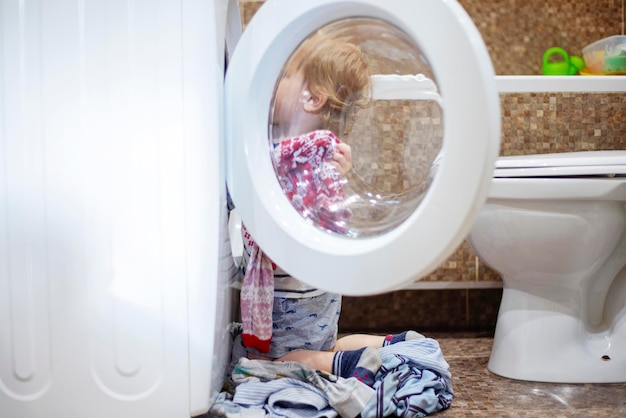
(560, 84)
(453, 285)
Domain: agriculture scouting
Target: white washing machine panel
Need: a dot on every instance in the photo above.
(450, 67)
(114, 257)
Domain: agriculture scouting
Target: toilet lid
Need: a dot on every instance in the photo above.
(580, 163)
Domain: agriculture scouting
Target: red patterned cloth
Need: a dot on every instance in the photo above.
(257, 297)
(313, 185)
(310, 180)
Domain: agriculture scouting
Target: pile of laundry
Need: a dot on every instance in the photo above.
(413, 381)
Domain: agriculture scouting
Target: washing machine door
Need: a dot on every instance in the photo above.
(414, 96)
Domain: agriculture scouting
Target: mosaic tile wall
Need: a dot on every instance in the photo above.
(394, 143)
(535, 123)
(516, 32)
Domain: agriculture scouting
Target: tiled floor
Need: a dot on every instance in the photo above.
(477, 392)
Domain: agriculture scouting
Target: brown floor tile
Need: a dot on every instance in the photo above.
(478, 392)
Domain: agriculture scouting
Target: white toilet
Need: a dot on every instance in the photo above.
(554, 227)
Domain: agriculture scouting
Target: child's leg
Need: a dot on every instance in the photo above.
(356, 341)
(361, 364)
(317, 360)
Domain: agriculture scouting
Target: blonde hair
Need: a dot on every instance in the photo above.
(337, 69)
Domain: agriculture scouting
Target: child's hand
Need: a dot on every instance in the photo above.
(342, 158)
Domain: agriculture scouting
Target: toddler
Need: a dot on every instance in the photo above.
(323, 81)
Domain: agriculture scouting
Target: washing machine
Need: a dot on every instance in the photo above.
(118, 138)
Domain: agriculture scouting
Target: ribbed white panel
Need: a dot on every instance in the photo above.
(25, 340)
(111, 208)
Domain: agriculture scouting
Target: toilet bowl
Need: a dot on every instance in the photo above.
(554, 228)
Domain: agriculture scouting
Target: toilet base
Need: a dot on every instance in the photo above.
(539, 339)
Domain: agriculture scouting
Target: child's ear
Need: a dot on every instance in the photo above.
(314, 103)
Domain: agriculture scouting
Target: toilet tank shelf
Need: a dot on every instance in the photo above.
(576, 84)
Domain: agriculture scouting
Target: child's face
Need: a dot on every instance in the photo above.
(290, 115)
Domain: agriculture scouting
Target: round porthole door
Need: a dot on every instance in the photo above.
(409, 88)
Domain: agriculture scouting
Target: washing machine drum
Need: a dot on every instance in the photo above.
(409, 88)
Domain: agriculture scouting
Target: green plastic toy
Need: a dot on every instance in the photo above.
(569, 65)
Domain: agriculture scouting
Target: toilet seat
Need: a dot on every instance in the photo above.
(561, 176)
(579, 164)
